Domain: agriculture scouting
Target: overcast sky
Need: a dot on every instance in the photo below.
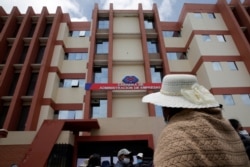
(81, 10)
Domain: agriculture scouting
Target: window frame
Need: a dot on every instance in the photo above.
(206, 37)
(228, 99)
(245, 98)
(221, 38)
(232, 66)
(216, 66)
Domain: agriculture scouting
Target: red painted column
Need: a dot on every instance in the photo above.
(87, 98)
(110, 59)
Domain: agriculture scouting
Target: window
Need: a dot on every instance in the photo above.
(158, 111)
(22, 118)
(76, 56)
(221, 38)
(103, 23)
(47, 30)
(68, 114)
(216, 66)
(245, 98)
(3, 114)
(156, 74)
(176, 55)
(32, 30)
(206, 38)
(16, 29)
(99, 108)
(198, 15)
(40, 54)
(1, 24)
(171, 33)
(102, 46)
(211, 15)
(23, 54)
(100, 75)
(152, 46)
(228, 100)
(149, 22)
(69, 83)
(82, 33)
(32, 84)
(13, 83)
(232, 66)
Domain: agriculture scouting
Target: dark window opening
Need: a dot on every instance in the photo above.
(22, 118)
(23, 55)
(32, 30)
(13, 84)
(32, 84)
(40, 54)
(3, 114)
(47, 30)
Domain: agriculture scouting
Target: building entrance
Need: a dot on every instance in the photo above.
(108, 150)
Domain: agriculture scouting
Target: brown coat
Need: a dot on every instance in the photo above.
(199, 138)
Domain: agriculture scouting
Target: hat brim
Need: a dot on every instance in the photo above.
(174, 101)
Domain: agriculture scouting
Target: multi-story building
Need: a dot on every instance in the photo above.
(70, 89)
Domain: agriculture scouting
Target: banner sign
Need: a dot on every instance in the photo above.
(122, 86)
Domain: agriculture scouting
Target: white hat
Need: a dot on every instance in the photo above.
(140, 155)
(181, 91)
(123, 151)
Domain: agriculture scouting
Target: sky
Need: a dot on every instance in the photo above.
(81, 10)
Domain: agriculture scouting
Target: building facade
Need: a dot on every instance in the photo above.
(71, 89)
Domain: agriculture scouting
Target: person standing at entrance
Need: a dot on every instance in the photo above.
(196, 133)
(124, 156)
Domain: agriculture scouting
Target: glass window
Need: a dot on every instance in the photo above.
(47, 30)
(198, 15)
(100, 75)
(32, 84)
(99, 108)
(232, 66)
(221, 38)
(103, 23)
(216, 66)
(81, 33)
(13, 83)
(40, 54)
(69, 114)
(68, 83)
(206, 38)
(156, 74)
(228, 100)
(74, 33)
(148, 24)
(245, 98)
(176, 55)
(152, 46)
(23, 118)
(158, 111)
(171, 33)
(76, 56)
(23, 54)
(102, 47)
(211, 15)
